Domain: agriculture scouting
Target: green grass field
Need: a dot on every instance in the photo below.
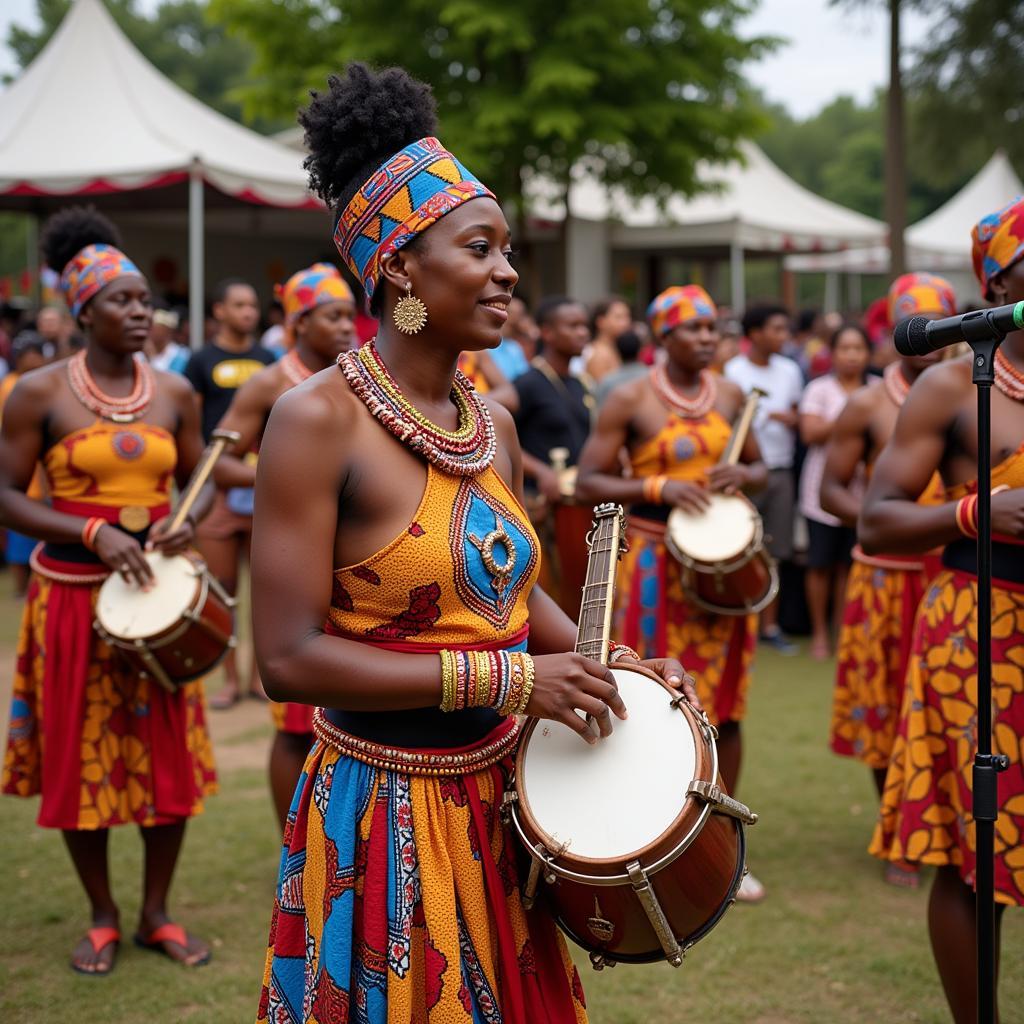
(831, 943)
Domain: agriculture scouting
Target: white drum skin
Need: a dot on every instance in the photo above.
(720, 533)
(128, 612)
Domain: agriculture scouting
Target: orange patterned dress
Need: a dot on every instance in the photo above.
(399, 893)
(652, 614)
(926, 806)
(882, 596)
(102, 746)
(469, 364)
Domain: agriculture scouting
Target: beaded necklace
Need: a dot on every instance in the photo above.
(108, 407)
(466, 451)
(689, 408)
(896, 384)
(1009, 379)
(294, 368)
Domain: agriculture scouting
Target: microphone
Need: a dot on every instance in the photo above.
(918, 336)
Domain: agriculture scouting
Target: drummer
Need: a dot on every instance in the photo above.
(675, 424)
(883, 591)
(103, 747)
(319, 325)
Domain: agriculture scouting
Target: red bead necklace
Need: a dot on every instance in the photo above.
(896, 384)
(1009, 379)
(294, 368)
(689, 408)
(108, 407)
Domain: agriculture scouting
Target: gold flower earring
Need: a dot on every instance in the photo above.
(410, 313)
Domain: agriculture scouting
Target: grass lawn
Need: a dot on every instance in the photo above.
(831, 943)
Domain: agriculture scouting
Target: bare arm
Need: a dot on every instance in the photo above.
(246, 415)
(846, 450)
(814, 429)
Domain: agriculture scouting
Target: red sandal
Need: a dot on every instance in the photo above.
(170, 932)
(99, 938)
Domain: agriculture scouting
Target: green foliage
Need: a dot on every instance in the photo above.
(201, 57)
(638, 89)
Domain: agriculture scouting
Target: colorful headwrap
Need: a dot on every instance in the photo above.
(997, 243)
(402, 198)
(676, 305)
(918, 295)
(309, 288)
(92, 269)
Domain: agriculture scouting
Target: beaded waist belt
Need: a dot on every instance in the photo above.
(420, 761)
(908, 562)
(60, 571)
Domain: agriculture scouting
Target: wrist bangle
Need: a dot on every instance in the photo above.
(967, 515)
(652, 488)
(90, 530)
(618, 651)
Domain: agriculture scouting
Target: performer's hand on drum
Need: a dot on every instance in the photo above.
(726, 479)
(690, 497)
(174, 543)
(123, 554)
(565, 684)
(676, 676)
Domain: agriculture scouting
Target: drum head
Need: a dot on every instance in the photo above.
(721, 533)
(126, 611)
(617, 797)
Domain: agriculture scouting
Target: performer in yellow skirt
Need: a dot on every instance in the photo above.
(926, 805)
(675, 423)
(102, 746)
(883, 591)
(319, 325)
(394, 588)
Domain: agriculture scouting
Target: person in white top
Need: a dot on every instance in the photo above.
(767, 328)
(831, 543)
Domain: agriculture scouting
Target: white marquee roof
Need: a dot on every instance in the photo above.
(755, 206)
(91, 114)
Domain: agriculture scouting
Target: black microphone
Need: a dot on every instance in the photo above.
(917, 336)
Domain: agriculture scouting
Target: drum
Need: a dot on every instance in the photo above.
(726, 568)
(176, 631)
(639, 848)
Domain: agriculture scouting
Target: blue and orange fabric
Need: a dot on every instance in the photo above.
(101, 745)
(92, 270)
(306, 289)
(652, 614)
(997, 242)
(883, 593)
(920, 294)
(408, 193)
(926, 805)
(678, 305)
(398, 897)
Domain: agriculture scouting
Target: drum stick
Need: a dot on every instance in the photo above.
(739, 434)
(219, 440)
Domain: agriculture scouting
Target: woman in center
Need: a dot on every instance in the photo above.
(398, 897)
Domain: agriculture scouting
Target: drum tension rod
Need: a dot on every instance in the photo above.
(674, 953)
(721, 802)
(541, 858)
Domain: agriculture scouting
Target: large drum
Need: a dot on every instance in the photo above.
(633, 842)
(726, 568)
(176, 631)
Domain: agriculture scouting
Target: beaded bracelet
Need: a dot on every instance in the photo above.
(90, 530)
(967, 515)
(653, 487)
(618, 651)
(502, 680)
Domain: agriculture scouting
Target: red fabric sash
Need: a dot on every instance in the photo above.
(424, 647)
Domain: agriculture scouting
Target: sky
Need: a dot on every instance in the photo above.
(829, 52)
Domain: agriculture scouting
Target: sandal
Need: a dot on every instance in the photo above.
(99, 938)
(156, 942)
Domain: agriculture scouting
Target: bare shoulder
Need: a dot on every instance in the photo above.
(504, 424)
(730, 390)
(321, 409)
(173, 384)
(32, 396)
(623, 399)
(864, 400)
(946, 381)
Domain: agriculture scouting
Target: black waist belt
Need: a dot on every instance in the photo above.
(423, 727)
(1007, 559)
(656, 513)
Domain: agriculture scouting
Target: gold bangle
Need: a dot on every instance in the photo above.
(483, 679)
(448, 681)
(528, 685)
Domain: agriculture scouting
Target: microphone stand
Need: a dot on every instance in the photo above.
(984, 338)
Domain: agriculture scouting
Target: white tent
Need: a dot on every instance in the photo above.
(91, 116)
(939, 242)
(754, 206)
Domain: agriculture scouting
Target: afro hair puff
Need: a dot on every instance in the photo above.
(70, 230)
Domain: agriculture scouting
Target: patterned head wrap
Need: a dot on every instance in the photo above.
(309, 288)
(677, 305)
(919, 294)
(997, 243)
(405, 195)
(90, 271)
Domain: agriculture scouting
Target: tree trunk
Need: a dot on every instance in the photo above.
(895, 152)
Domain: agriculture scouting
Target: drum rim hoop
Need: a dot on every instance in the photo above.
(520, 807)
(737, 561)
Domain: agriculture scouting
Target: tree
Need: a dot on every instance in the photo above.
(198, 55)
(637, 90)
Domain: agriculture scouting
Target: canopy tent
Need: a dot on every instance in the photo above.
(751, 205)
(939, 242)
(91, 117)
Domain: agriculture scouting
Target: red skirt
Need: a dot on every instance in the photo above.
(296, 719)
